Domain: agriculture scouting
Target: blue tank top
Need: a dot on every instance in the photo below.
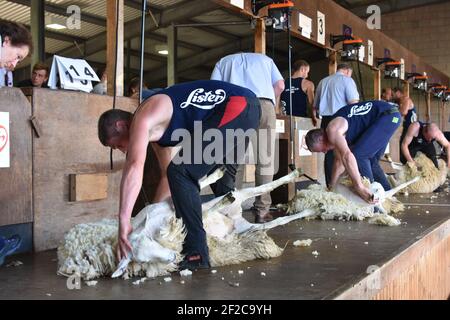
(362, 115)
(196, 101)
(410, 118)
(299, 99)
(420, 141)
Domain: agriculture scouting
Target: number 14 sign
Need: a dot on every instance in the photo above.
(74, 74)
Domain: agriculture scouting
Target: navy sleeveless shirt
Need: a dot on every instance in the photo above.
(362, 115)
(196, 101)
(299, 99)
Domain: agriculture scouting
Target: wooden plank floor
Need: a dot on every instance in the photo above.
(297, 274)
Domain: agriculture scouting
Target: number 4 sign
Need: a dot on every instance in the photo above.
(74, 74)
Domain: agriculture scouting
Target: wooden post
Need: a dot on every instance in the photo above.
(260, 36)
(111, 46)
(172, 57)
(37, 30)
(332, 62)
(377, 84)
(428, 115)
(406, 88)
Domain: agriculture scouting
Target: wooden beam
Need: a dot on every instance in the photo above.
(260, 36)
(406, 88)
(377, 84)
(113, 47)
(172, 57)
(88, 187)
(37, 30)
(332, 62)
(428, 101)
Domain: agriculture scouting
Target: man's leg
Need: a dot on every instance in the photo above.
(378, 173)
(265, 155)
(372, 144)
(430, 151)
(329, 156)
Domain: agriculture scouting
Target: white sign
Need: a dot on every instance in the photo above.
(362, 53)
(4, 140)
(74, 74)
(304, 152)
(321, 28)
(305, 24)
(280, 126)
(238, 3)
(402, 69)
(370, 52)
(387, 149)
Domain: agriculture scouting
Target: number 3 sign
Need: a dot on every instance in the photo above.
(74, 74)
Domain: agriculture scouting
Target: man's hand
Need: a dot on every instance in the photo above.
(314, 121)
(123, 245)
(365, 194)
(411, 164)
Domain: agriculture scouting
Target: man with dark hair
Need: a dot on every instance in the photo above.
(39, 77)
(164, 119)
(420, 137)
(386, 94)
(333, 93)
(15, 44)
(358, 134)
(302, 93)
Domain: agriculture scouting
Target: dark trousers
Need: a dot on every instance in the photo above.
(428, 149)
(329, 156)
(371, 145)
(183, 178)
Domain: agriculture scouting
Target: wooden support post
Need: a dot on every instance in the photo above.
(172, 57)
(377, 84)
(406, 88)
(260, 36)
(128, 67)
(428, 114)
(37, 30)
(111, 46)
(332, 62)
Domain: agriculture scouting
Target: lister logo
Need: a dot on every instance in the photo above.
(205, 100)
(360, 110)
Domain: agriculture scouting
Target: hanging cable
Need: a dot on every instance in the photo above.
(360, 78)
(115, 75)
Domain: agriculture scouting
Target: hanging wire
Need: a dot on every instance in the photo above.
(115, 75)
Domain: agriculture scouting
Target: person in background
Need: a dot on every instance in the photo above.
(302, 93)
(16, 44)
(333, 93)
(102, 86)
(386, 94)
(133, 88)
(39, 77)
(258, 73)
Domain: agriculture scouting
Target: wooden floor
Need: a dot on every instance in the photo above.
(347, 250)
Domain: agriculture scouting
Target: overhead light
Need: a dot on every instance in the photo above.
(55, 23)
(163, 52)
(162, 49)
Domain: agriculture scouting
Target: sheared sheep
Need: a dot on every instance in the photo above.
(157, 238)
(431, 178)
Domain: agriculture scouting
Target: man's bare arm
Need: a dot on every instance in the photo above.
(445, 144)
(412, 132)
(310, 94)
(338, 170)
(164, 156)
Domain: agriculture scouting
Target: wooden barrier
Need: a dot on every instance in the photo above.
(69, 145)
(15, 181)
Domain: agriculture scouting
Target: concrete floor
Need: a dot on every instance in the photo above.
(297, 274)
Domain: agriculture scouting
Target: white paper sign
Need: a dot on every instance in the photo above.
(74, 74)
(362, 53)
(321, 28)
(305, 24)
(402, 69)
(303, 151)
(370, 52)
(280, 126)
(238, 3)
(4, 140)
